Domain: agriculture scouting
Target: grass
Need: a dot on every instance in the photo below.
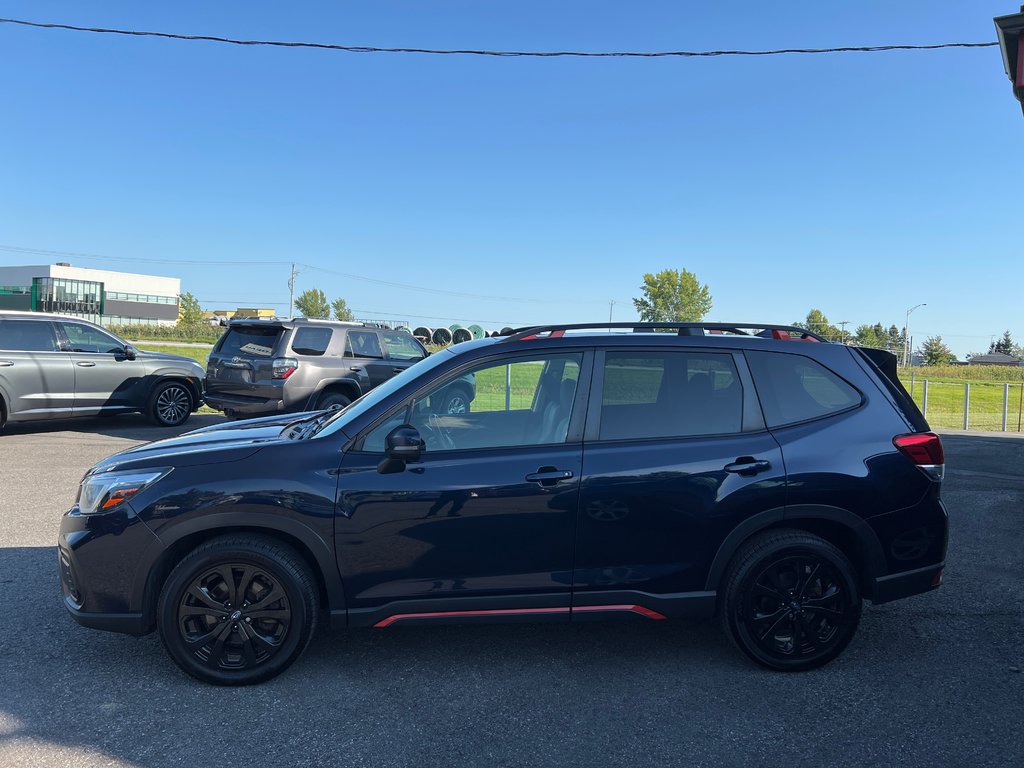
(946, 402)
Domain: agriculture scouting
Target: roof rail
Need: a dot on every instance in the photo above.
(683, 329)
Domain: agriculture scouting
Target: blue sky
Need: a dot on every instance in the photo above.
(861, 184)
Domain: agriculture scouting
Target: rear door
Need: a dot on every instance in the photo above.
(242, 362)
(37, 379)
(105, 379)
(675, 456)
(364, 350)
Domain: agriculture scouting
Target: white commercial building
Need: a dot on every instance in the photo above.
(100, 295)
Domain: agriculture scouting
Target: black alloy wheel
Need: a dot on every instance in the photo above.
(455, 403)
(237, 610)
(791, 601)
(170, 404)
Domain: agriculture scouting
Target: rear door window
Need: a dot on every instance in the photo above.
(363, 344)
(27, 336)
(402, 346)
(311, 341)
(795, 388)
(669, 394)
(250, 340)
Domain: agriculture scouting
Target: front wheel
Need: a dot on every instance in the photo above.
(791, 600)
(237, 610)
(170, 404)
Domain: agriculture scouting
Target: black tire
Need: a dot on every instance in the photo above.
(171, 404)
(791, 600)
(211, 637)
(455, 401)
(332, 398)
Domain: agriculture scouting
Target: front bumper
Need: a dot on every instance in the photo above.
(104, 562)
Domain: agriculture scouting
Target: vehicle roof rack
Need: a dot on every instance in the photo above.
(682, 329)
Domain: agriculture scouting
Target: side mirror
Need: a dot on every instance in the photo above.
(129, 352)
(402, 446)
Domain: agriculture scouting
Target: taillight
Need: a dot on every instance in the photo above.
(925, 450)
(285, 367)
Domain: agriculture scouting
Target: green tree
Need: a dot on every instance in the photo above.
(935, 352)
(1004, 346)
(816, 322)
(673, 296)
(190, 314)
(341, 310)
(313, 304)
(871, 336)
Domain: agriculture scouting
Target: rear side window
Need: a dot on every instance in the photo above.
(250, 340)
(27, 336)
(795, 388)
(363, 344)
(402, 346)
(669, 394)
(311, 341)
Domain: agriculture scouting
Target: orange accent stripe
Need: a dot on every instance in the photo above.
(645, 612)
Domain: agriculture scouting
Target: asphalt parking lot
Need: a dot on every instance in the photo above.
(933, 680)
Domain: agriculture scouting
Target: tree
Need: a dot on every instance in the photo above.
(341, 310)
(673, 296)
(190, 314)
(816, 322)
(935, 352)
(871, 336)
(313, 304)
(1004, 346)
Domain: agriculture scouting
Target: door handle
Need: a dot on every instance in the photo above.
(6, 363)
(355, 368)
(85, 364)
(548, 476)
(397, 370)
(747, 465)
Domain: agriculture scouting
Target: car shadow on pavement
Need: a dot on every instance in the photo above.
(131, 426)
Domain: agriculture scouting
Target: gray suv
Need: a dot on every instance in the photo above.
(262, 367)
(53, 367)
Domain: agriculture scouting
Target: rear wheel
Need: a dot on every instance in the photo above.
(170, 404)
(791, 600)
(455, 402)
(330, 399)
(237, 610)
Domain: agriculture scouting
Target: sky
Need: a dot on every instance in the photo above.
(510, 191)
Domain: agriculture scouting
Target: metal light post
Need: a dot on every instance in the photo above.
(907, 351)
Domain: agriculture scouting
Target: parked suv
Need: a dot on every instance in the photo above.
(53, 367)
(636, 475)
(270, 366)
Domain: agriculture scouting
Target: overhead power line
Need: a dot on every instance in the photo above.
(482, 52)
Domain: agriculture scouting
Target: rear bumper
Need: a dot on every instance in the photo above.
(244, 405)
(899, 585)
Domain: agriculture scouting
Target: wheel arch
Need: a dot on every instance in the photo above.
(850, 533)
(174, 546)
(348, 387)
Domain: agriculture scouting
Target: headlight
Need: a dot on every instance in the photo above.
(106, 491)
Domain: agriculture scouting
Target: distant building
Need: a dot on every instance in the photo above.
(1010, 30)
(99, 295)
(995, 358)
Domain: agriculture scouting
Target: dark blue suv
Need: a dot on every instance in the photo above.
(642, 474)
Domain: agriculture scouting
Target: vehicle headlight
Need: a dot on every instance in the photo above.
(109, 490)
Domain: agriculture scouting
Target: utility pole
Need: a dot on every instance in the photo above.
(611, 305)
(291, 293)
(844, 323)
(908, 350)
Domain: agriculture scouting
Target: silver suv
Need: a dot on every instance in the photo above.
(262, 367)
(53, 367)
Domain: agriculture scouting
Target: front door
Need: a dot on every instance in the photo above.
(676, 455)
(482, 527)
(105, 379)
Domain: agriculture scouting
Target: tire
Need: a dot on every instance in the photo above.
(329, 399)
(224, 646)
(455, 402)
(791, 600)
(171, 404)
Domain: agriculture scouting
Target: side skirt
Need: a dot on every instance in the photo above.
(591, 606)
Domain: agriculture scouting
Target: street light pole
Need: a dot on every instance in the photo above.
(907, 351)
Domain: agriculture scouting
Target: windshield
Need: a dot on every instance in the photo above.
(384, 391)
